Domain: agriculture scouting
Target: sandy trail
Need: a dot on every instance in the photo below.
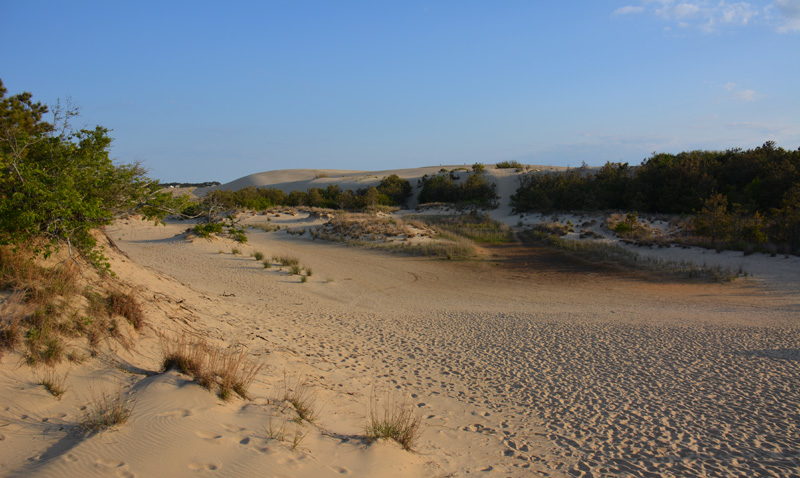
(576, 371)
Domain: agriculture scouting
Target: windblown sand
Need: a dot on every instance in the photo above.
(559, 369)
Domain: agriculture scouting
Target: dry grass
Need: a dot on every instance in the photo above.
(54, 383)
(395, 421)
(258, 256)
(125, 305)
(106, 411)
(229, 371)
(302, 398)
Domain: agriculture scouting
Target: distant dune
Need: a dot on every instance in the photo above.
(289, 180)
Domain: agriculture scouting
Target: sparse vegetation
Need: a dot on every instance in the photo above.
(209, 366)
(604, 252)
(302, 398)
(106, 411)
(55, 384)
(235, 251)
(258, 256)
(125, 304)
(475, 226)
(395, 421)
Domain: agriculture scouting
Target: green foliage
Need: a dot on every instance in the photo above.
(509, 165)
(476, 190)
(739, 195)
(207, 229)
(57, 184)
(391, 191)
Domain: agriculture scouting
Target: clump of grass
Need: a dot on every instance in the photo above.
(303, 279)
(235, 251)
(106, 411)
(302, 398)
(126, 305)
(55, 384)
(295, 269)
(286, 261)
(308, 271)
(267, 264)
(396, 422)
(10, 334)
(258, 256)
(229, 371)
(474, 226)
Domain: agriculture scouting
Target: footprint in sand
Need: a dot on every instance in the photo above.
(203, 467)
(109, 463)
(208, 436)
(180, 413)
(244, 441)
(341, 470)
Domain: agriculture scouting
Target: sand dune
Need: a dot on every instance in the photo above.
(567, 373)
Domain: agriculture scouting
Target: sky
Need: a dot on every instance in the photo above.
(200, 91)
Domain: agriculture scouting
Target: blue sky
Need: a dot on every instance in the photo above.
(217, 90)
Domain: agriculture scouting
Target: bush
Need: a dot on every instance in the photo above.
(476, 190)
(59, 184)
(509, 165)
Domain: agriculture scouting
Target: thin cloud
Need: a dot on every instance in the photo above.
(713, 15)
(629, 10)
(741, 94)
(790, 15)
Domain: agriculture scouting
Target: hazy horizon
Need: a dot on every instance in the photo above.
(202, 92)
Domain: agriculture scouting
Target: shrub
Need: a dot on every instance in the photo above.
(509, 165)
(207, 229)
(235, 251)
(106, 411)
(258, 256)
(59, 184)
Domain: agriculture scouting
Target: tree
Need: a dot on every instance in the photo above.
(57, 184)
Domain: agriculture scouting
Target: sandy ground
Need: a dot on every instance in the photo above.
(559, 369)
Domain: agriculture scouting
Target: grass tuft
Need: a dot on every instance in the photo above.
(258, 256)
(229, 371)
(396, 422)
(106, 411)
(53, 383)
(302, 398)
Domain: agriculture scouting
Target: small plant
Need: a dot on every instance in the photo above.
(53, 383)
(235, 251)
(308, 271)
(396, 422)
(298, 438)
(276, 433)
(258, 256)
(125, 305)
(267, 264)
(303, 400)
(295, 269)
(106, 411)
(303, 279)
